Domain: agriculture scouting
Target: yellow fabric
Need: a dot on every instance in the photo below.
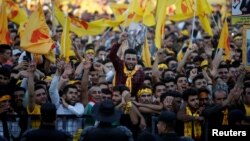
(237, 38)
(94, 27)
(5, 97)
(127, 107)
(4, 33)
(51, 56)
(185, 10)
(160, 24)
(203, 10)
(35, 36)
(188, 125)
(224, 40)
(15, 13)
(118, 9)
(48, 78)
(129, 75)
(36, 111)
(144, 91)
(162, 65)
(225, 117)
(129, 15)
(146, 55)
(247, 108)
(136, 11)
(77, 135)
(148, 17)
(65, 40)
(180, 55)
(90, 51)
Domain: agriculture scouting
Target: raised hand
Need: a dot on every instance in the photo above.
(87, 65)
(32, 67)
(123, 37)
(68, 70)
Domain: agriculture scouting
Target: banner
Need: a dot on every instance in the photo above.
(240, 11)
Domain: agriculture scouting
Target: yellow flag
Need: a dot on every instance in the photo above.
(15, 13)
(183, 10)
(130, 13)
(93, 28)
(160, 24)
(146, 56)
(118, 9)
(224, 40)
(4, 33)
(203, 10)
(35, 36)
(148, 17)
(65, 40)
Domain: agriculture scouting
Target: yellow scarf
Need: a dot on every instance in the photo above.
(225, 117)
(129, 75)
(247, 108)
(188, 125)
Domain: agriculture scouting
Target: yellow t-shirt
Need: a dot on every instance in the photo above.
(35, 123)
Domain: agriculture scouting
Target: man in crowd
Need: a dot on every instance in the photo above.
(47, 131)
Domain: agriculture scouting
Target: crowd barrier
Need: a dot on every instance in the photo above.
(69, 123)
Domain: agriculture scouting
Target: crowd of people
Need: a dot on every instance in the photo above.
(189, 87)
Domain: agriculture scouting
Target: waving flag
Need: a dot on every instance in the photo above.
(160, 24)
(65, 40)
(4, 33)
(15, 13)
(35, 37)
(224, 40)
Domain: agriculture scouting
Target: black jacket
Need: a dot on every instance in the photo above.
(46, 133)
(106, 133)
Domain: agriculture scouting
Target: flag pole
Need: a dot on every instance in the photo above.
(193, 23)
(65, 33)
(53, 18)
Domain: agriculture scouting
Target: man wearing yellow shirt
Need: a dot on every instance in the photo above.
(37, 96)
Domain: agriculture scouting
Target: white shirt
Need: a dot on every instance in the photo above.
(72, 124)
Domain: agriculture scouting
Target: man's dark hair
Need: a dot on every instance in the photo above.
(101, 48)
(106, 92)
(130, 51)
(222, 66)
(120, 88)
(4, 47)
(37, 87)
(19, 89)
(168, 79)
(179, 76)
(197, 77)
(66, 88)
(169, 93)
(157, 84)
(48, 112)
(189, 92)
(89, 46)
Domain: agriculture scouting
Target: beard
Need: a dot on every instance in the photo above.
(129, 66)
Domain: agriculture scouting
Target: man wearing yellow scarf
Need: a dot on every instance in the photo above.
(126, 72)
(190, 115)
(216, 114)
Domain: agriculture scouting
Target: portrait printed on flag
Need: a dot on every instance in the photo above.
(246, 46)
